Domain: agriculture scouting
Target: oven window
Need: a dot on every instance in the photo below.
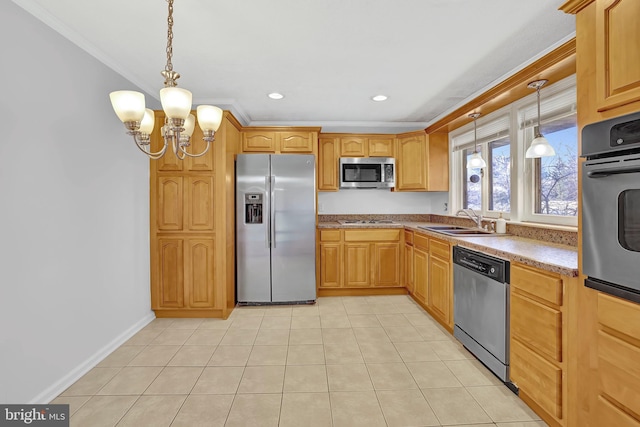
(629, 220)
(361, 173)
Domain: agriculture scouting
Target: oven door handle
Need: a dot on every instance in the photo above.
(603, 173)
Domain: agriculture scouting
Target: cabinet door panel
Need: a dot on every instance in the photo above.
(259, 142)
(617, 58)
(353, 147)
(328, 164)
(200, 203)
(408, 268)
(199, 273)
(330, 261)
(357, 266)
(169, 215)
(439, 288)
(202, 163)
(538, 378)
(536, 325)
(421, 274)
(296, 142)
(387, 264)
(411, 163)
(170, 278)
(380, 147)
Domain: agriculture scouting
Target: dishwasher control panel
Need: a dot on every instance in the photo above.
(494, 268)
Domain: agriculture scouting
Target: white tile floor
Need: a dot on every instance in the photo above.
(346, 361)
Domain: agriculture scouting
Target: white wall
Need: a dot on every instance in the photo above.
(374, 201)
(74, 215)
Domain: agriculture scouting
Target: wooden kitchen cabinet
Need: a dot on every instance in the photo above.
(353, 146)
(328, 157)
(421, 268)
(191, 245)
(360, 261)
(381, 146)
(422, 162)
(617, 58)
(285, 140)
(440, 294)
(185, 272)
(539, 339)
(408, 273)
(257, 141)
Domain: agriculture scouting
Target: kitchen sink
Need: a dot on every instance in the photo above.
(453, 230)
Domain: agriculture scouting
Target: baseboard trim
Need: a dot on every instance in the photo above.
(63, 383)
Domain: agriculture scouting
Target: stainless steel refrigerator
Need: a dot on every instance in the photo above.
(275, 228)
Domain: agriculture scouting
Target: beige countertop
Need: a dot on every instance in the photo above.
(547, 256)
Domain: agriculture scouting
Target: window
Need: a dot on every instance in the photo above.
(538, 190)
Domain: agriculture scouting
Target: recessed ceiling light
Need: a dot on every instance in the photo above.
(275, 95)
(379, 98)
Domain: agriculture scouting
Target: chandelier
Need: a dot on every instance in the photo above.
(176, 102)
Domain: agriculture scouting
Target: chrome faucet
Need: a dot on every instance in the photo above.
(476, 217)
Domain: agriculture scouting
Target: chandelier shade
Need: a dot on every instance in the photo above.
(128, 105)
(148, 122)
(176, 102)
(209, 117)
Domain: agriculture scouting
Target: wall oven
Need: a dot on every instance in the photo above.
(367, 172)
(611, 206)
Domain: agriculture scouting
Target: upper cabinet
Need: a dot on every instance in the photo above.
(617, 53)
(353, 146)
(280, 140)
(366, 146)
(381, 146)
(422, 162)
(328, 154)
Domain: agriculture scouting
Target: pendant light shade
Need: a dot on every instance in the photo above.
(539, 147)
(148, 121)
(476, 161)
(176, 102)
(209, 117)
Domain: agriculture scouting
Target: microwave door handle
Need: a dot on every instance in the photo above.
(603, 173)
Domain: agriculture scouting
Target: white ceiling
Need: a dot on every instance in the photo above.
(328, 57)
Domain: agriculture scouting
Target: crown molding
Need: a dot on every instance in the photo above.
(349, 126)
(575, 6)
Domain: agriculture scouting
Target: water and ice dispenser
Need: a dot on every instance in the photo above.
(253, 208)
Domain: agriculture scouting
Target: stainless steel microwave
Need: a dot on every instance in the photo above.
(367, 172)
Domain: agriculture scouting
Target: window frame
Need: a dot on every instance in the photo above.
(522, 185)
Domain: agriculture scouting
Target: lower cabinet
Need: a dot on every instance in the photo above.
(432, 278)
(366, 259)
(185, 273)
(540, 338)
(408, 262)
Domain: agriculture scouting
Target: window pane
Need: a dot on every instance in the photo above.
(556, 177)
(500, 175)
(471, 190)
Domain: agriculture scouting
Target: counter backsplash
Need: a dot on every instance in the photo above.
(561, 237)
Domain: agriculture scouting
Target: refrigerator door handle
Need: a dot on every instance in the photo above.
(267, 183)
(273, 210)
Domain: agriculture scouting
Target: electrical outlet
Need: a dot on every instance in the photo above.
(446, 206)
(320, 207)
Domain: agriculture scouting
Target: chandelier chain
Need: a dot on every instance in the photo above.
(169, 66)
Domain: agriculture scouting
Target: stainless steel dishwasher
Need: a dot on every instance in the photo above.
(481, 307)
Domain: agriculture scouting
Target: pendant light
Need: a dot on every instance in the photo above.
(476, 160)
(176, 103)
(539, 147)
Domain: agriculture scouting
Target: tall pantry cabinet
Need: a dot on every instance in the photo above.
(191, 202)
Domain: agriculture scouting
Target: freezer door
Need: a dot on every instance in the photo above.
(293, 222)
(252, 229)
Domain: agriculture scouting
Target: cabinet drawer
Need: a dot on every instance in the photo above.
(608, 415)
(329, 235)
(536, 325)
(408, 237)
(538, 378)
(547, 286)
(421, 242)
(620, 315)
(619, 371)
(439, 249)
(372, 235)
